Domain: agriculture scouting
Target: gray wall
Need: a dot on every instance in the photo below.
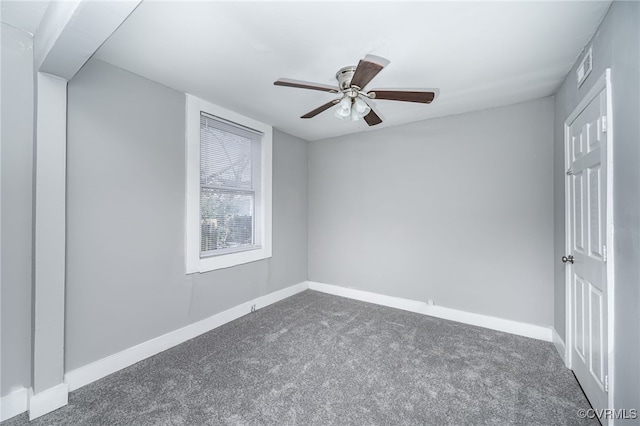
(125, 226)
(616, 45)
(17, 169)
(456, 209)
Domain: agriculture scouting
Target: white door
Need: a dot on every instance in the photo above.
(587, 191)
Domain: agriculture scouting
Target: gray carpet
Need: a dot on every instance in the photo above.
(320, 359)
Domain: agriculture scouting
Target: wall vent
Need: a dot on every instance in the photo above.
(585, 67)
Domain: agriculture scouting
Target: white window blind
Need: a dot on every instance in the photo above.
(230, 193)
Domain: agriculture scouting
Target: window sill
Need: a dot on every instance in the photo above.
(229, 260)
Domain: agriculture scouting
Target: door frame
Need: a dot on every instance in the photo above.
(603, 82)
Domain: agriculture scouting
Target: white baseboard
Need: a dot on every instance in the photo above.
(90, 373)
(13, 404)
(48, 400)
(559, 344)
(499, 324)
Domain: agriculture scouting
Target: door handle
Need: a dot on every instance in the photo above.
(566, 259)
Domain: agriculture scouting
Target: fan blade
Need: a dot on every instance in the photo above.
(288, 82)
(368, 68)
(421, 96)
(320, 109)
(372, 118)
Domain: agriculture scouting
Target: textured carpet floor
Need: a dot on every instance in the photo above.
(321, 359)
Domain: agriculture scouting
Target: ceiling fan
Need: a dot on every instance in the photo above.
(353, 102)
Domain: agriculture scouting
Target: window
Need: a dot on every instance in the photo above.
(229, 187)
(228, 201)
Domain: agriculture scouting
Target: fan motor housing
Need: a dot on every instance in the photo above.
(344, 77)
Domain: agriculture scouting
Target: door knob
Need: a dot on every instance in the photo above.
(566, 259)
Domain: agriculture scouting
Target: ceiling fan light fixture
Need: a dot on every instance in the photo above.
(354, 114)
(361, 107)
(344, 108)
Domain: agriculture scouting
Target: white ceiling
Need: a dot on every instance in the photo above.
(23, 14)
(479, 54)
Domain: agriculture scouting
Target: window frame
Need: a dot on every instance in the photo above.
(194, 262)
